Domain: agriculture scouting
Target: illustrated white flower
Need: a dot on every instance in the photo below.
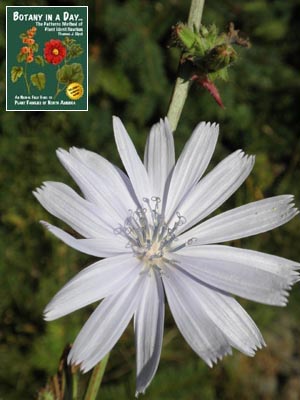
(145, 226)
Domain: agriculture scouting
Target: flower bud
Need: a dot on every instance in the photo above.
(184, 38)
(217, 58)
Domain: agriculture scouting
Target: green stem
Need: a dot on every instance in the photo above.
(182, 86)
(59, 90)
(96, 379)
(75, 386)
(26, 80)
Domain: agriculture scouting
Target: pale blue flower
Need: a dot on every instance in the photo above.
(150, 226)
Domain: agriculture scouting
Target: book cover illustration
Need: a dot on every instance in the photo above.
(46, 58)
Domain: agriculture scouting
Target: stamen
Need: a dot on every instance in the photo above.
(147, 233)
(192, 241)
(180, 246)
(181, 219)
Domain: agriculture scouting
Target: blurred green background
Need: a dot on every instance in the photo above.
(131, 74)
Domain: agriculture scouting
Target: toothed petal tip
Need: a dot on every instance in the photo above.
(47, 315)
(60, 150)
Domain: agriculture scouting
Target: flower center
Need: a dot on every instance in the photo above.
(55, 52)
(148, 235)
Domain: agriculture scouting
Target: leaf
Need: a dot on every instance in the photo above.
(38, 80)
(70, 73)
(21, 57)
(39, 60)
(272, 30)
(35, 47)
(75, 50)
(67, 41)
(16, 73)
(221, 74)
(114, 82)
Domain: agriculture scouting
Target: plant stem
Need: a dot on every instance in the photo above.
(26, 80)
(59, 90)
(74, 386)
(96, 379)
(182, 86)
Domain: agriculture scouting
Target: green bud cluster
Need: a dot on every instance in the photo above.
(209, 52)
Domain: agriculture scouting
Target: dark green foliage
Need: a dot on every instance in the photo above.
(131, 74)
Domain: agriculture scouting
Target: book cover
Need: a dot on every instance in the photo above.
(46, 58)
